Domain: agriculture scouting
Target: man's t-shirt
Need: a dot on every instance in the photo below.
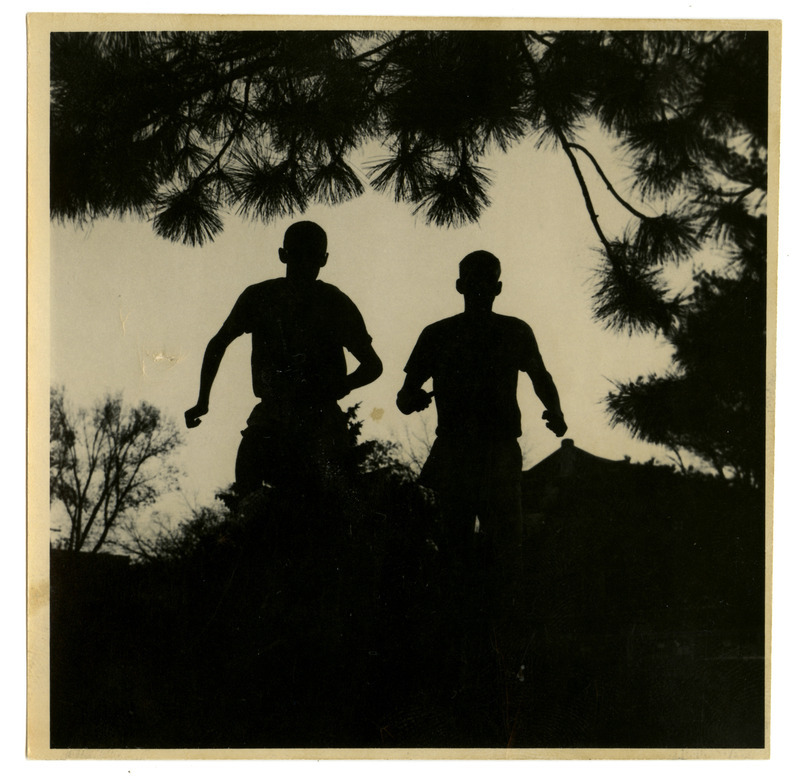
(474, 363)
(299, 336)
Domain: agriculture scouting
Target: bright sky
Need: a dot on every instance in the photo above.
(133, 312)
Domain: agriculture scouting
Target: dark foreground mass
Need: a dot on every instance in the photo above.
(308, 623)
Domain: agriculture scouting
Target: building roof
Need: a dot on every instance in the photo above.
(567, 461)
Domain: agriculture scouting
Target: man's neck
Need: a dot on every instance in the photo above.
(300, 282)
(477, 309)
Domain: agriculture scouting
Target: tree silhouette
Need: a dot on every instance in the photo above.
(179, 127)
(713, 165)
(176, 125)
(105, 463)
(712, 401)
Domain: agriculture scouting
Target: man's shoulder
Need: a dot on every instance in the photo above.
(454, 323)
(330, 291)
(263, 288)
(278, 284)
(513, 324)
(444, 325)
(337, 303)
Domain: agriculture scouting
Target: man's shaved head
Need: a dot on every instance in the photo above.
(305, 238)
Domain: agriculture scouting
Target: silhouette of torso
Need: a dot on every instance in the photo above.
(474, 362)
(299, 335)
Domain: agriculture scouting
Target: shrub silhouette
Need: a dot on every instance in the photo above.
(302, 621)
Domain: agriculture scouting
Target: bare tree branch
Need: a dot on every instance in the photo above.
(99, 468)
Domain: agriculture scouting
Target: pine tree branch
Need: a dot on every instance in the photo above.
(593, 216)
(607, 182)
(540, 38)
(626, 44)
(737, 194)
(566, 146)
(234, 132)
(381, 47)
(248, 69)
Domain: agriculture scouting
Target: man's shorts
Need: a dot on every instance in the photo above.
(310, 427)
(479, 472)
(282, 451)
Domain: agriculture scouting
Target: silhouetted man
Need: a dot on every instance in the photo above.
(300, 328)
(475, 463)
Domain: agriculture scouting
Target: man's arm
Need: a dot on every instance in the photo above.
(215, 350)
(369, 369)
(349, 322)
(412, 397)
(546, 390)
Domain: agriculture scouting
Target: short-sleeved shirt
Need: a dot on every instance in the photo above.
(475, 363)
(299, 337)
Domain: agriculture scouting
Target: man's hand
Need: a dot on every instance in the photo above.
(192, 415)
(555, 422)
(413, 401)
(341, 390)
